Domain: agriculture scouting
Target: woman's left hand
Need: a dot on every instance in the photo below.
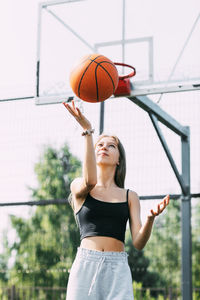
(160, 207)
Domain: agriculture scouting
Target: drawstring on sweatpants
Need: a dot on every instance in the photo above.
(95, 275)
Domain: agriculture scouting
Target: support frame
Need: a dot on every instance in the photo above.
(156, 113)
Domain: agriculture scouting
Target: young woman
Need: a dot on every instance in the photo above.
(102, 207)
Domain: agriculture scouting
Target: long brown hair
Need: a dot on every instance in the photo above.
(71, 203)
(120, 172)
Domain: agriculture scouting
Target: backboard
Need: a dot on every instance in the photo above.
(166, 59)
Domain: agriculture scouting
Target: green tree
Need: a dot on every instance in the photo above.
(3, 268)
(196, 244)
(46, 243)
(164, 246)
(139, 266)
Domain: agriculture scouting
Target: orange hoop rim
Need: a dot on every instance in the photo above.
(129, 66)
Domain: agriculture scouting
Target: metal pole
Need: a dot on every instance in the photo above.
(186, 223)
(168, 153)
(151, 64)
(184, 132)
(102, 108)
(37, 92)
(13, 294)
(148, 105)
(123, 32)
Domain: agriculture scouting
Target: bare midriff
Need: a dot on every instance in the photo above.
(102, 243)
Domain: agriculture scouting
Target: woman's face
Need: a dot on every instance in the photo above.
(107, 151)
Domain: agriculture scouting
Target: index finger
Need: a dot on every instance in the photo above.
(73, 104)
(68, 107)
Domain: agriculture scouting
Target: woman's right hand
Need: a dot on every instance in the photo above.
(76, 113)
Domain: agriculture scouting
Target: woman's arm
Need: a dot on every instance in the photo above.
(89, 162)
(81, 186)
(141, 233)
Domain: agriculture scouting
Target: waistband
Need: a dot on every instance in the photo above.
(107, 255)
(100, 257)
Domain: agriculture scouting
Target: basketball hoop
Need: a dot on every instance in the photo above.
(124, 84)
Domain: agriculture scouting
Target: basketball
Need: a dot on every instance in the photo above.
(94, 78)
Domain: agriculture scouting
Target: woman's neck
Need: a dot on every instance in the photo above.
(105, 177)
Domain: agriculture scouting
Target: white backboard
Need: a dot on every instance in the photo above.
(166, 57)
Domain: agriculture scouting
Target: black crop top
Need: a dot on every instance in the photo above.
(100, 218)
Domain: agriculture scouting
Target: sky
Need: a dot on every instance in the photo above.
(26, 128)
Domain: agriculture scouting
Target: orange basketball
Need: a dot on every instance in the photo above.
(94, 78)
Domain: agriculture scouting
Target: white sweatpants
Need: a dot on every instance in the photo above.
(100, 275)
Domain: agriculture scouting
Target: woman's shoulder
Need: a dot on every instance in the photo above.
(76, 181)
(129, 191)
(132, 196)
(79, 188)
(132, 192)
